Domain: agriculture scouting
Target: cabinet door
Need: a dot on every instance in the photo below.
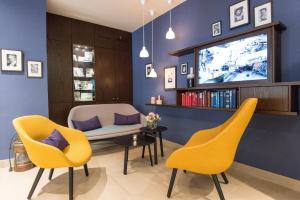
(60, 71)
(105, 75)
(82, 33)
(59, 28)
(123, 76)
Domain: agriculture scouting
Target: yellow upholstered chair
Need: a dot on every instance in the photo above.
(212, 151)
(32, 129)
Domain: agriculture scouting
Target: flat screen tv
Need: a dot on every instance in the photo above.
(244, 59)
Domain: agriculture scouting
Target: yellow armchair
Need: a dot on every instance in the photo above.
(212, 151)
(32, 129)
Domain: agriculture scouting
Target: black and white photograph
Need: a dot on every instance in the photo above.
(34, 69)
(11, 60)
(217, 29)
(170, 78)
(239, 14)
(148, 70)
(263, 14)
(183, 68)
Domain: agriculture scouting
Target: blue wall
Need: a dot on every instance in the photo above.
(271, 142)
(23, 27)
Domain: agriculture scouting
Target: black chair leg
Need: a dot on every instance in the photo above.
(86, 170)
(71, 183)
(217, 184)
(51, 174)
(143, 154)
(36, 181)
(174, 172)
(184, 171)
(224, 178)
(150, 155)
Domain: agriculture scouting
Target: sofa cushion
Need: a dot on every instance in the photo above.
(112, 130)
(127, 119)
(56, 140)
(87, 125)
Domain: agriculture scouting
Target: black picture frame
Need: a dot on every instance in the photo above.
(271, 13)
(19, 60)
(174, 70)
(214, 33)
(182, 66)
(148, 68)
(248, 21)
(31, 74)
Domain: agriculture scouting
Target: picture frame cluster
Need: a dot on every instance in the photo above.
(12, 61)
(239, 15)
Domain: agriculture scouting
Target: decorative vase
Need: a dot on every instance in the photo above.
(152, 125)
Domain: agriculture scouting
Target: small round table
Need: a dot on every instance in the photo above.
(129, 141)
(149, 131)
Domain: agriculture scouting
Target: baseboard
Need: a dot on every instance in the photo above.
(249, 171)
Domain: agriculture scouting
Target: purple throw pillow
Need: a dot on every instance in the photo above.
(127, 119)
(87, 125)
(57, 140)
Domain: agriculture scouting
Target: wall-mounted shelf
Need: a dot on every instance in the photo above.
(190, 49)
(224, 110)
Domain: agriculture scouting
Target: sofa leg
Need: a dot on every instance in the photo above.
(36, 181)
(71, 176)
(217, 184)
(224, 178)
(51, 174)
(86, 170)
(173, 176)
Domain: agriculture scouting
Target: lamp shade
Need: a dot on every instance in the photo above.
(144, 53)
(170, 34)
(153, 73)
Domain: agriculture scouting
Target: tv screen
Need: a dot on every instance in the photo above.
(241, 60)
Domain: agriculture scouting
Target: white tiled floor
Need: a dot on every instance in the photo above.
(107, 182)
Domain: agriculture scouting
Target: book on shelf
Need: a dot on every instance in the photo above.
(224, 99)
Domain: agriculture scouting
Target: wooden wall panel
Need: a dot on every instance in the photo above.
(270, 98)
(83, 33)
(59, 28)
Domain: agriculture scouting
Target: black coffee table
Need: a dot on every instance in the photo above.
(128, 141)
(153, 132)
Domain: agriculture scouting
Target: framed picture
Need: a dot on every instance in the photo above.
(263, 14)
(183, 68)
(217, 29)
(239, 14)
(34, 69)
(148, 70)
(11, 60)
(170, 78)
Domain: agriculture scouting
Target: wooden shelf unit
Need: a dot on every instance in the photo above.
(276, 98)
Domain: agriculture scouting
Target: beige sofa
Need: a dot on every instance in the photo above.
(105, 113)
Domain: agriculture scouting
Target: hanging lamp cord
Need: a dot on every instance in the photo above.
(152, 43)
(143, 25)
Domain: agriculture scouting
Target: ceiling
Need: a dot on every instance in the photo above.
(121, 14)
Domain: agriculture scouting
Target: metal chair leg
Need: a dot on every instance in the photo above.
(36, 181)
(150, 155)
(86, 170)
(224, 178)
(217, 184)
(71, 183)
(51, 174)
(174, 172)
(143, 154)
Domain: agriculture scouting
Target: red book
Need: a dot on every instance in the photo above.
(208, 99)
(183, 99)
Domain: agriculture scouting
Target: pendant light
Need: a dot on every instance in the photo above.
(153, 73)
(170, 34)
(144, 52)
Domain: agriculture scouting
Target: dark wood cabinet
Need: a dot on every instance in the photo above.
(113, 67)
(83, 33)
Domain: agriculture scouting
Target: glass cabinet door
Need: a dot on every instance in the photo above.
(83, 73)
